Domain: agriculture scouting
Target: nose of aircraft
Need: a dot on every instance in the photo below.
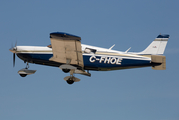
(13, 49)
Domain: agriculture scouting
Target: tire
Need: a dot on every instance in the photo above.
(66, 70)
(70, 82)
(23, 75)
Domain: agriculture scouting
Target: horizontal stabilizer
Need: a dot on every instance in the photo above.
(160, 60)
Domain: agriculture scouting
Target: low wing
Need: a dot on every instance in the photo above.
(66, 49)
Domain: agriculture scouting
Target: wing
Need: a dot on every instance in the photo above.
(66, 49)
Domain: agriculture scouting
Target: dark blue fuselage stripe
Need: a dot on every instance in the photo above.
(86, 59)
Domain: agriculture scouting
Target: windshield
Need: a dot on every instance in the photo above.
(50, 46)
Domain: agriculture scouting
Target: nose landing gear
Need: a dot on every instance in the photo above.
(25, 71)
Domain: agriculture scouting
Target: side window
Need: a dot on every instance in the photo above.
(90, 50)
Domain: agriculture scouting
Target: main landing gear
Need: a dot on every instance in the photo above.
(71, 79)
(66, 70)
(25, 71)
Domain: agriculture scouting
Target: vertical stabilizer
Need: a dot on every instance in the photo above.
(157, 47)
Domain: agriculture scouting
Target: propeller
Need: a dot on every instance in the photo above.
(14, 58)
(13, 50)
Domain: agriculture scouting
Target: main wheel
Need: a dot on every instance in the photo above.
(70, 82)
(23, 75)
(66, 70)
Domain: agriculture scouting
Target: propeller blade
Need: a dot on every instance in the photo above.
(14, 50)
(14, 56)
(16, 44)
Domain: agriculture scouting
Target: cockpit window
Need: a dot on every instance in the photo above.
(50, 46)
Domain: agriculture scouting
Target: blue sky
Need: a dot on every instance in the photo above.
(134, 94)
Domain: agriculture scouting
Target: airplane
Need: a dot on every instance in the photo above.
(67, 53)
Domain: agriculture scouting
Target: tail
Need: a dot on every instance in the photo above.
(157, 47)
(156, 50)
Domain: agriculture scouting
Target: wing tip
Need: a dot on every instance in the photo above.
(64, 35)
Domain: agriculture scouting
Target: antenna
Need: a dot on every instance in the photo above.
(111, 47)
(127, 50)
